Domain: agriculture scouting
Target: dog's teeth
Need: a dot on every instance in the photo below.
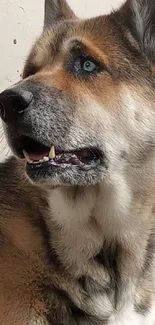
(27, 157)
(46, 159)
(52, 153)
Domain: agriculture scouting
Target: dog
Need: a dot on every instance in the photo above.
(77, 199)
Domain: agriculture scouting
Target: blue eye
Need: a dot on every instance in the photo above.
(89, 66)
(85, 66)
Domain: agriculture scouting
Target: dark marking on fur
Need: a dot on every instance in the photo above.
(57, 311)
(109, 257)
(93, 287)
(150, 253)
(61, 309)
(142, 308)
(4, 240)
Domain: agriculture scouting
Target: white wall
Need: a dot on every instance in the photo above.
(20, 23)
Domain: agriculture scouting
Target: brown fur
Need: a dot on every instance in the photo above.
(78, 247)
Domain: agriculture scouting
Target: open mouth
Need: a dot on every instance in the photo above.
(40, 156)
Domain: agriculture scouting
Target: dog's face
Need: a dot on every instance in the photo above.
(83, 110)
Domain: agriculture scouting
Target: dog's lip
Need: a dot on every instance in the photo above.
(61, 164)
(40, 156)
(84, 158)
(37, 149)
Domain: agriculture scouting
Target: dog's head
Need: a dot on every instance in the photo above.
(86, 105)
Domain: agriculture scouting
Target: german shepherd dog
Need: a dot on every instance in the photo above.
(77, 201)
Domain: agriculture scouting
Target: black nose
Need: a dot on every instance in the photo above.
(13, 102)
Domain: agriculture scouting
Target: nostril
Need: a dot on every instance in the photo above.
(21, 101)
(14, 102)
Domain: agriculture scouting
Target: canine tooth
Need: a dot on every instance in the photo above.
(52, 153)
(27, 157)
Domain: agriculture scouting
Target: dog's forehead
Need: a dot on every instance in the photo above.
(97, 31)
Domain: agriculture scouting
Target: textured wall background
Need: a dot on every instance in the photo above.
(20, 23)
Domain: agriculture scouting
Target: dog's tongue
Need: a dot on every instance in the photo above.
(38, 156)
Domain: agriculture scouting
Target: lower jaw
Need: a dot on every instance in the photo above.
(63, 174)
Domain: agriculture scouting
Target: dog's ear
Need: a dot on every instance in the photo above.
(56, 10)
(140, 18)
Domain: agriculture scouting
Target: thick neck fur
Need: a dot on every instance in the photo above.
(83, 219)
(104, 233)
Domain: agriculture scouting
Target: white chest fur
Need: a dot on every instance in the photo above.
(127, 316)
(77, 236)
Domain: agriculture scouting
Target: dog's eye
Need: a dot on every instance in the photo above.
(89, 66)
(85, 66)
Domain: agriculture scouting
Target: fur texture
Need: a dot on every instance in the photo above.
(77, 246)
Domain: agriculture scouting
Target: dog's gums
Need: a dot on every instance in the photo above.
(84, 159)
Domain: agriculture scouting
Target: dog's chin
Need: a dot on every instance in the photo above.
(54, 176)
